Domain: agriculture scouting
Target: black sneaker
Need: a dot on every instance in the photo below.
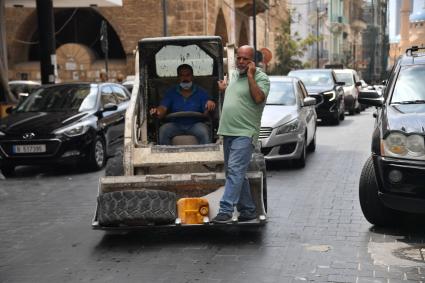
(222, 218)
(246, 218)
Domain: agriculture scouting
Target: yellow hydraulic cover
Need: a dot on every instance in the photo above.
(192, 210)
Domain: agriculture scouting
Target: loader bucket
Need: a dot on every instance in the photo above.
(131, 202)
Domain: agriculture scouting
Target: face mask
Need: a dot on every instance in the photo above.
(184, 85)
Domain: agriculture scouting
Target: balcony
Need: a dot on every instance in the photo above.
(246, 6)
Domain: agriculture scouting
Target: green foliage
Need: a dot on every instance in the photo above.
(289, 48)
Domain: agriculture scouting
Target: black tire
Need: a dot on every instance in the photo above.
(115, 165)
(341, 116)
(373, 209)
(351, 111)
(8, 171)
(300, 162)
(312, 146)
(138, 207)
(96, 157)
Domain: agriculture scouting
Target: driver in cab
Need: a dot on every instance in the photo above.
(184, 97)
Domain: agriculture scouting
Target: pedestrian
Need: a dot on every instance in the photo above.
(240, 121)
(103, 76)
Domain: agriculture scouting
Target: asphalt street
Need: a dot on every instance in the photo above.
(316, 231)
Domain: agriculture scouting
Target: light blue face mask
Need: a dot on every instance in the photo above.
(184, 85)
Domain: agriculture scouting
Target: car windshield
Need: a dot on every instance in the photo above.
(410, 85)
(281, 93)
(347, 78)
(313, 78)
(60, 98)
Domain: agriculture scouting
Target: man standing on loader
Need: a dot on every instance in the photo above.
(244, 101)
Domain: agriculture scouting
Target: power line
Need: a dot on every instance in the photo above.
(56, 33)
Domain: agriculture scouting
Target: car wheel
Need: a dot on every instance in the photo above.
(373, 209)
(342, 116)
(137, 207)
(336, 119)
(351, 111)
(8, 171)
(300, 162)
(115, 165)
(312, 146)
(96, 158)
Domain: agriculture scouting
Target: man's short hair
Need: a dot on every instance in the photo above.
(184, 67)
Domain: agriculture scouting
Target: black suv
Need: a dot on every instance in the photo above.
(322, 84)
(393, 179)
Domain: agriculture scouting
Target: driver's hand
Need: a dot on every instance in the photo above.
(210, 105)
(222, 84)
(153, 111)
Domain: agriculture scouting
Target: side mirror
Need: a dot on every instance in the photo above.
(384, 82)
(371, 97)
(309, 101)
(358, 84)
(110, 107)
(340, 83)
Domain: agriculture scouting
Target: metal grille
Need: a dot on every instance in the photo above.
(265, 132)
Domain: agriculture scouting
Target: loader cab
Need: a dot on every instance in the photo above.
(159, 59)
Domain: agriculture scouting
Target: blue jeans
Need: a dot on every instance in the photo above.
(237, 155)
(170, 130)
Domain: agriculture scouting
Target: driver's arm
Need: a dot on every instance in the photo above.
(209, 106)
(159, 111)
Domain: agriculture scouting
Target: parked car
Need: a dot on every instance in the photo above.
(21, 89)
(351, 89)
(288, 124)
(64, 123)
(392, 179)
(364, 84)
(323, 85)
(128, 84)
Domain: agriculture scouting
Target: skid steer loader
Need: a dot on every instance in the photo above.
(148, 184)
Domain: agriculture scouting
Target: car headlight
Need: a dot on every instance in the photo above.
(330, 94)
(74, 130)
(400, 145)
(291, 126)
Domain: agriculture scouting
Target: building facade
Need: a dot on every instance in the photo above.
(79, 53)
(339, 24)
(411, 26)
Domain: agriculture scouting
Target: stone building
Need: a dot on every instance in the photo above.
(412, 29)
(79, 53)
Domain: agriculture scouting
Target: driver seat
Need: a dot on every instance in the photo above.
(184, 140)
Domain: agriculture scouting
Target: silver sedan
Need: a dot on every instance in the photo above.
(289, 121)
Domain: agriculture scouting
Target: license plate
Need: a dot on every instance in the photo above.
(29, 148)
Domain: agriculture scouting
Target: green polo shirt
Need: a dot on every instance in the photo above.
(240, 115)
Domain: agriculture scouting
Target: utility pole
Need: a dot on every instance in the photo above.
(254, 23)
(317, 38)
(105, 44)
(46, 31)
(164, 17)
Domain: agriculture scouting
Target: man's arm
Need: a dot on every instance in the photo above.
(256, 93)
(159, 111)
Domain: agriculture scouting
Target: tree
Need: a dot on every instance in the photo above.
(289, 48)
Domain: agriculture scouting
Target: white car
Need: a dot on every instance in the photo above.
(351, 89)
(289, 121)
